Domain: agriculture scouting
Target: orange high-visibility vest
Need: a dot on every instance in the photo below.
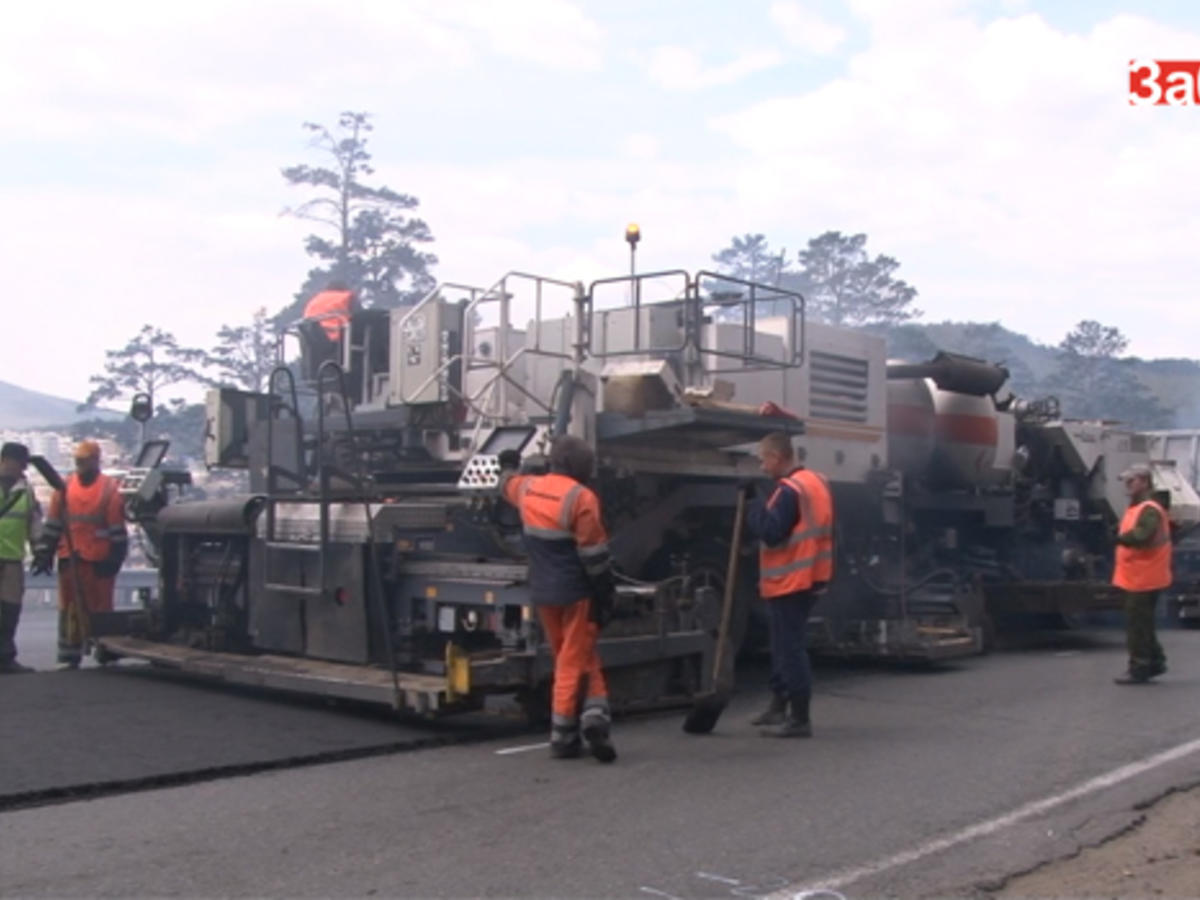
(332, 309)
(95, 516)
(564, 536)
(1144, 568)
(806, 557)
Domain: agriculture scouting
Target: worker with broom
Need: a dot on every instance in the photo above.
(794, 526)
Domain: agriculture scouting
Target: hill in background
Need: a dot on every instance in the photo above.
(23, 410)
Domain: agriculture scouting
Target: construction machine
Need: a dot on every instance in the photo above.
(373, 558)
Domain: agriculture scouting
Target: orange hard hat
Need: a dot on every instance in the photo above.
(87, 450)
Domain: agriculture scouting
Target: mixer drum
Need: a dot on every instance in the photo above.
(967, 434)
(910, 424)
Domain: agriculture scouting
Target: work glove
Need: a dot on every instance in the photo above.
(111, 565)
(43, 563)
(510, 459)
(604, 596)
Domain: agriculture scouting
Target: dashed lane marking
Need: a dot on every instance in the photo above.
(524, 748)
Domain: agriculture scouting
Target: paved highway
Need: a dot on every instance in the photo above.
(917, 783)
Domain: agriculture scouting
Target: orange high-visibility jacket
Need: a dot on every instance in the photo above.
(95, 515)
(332, 309)
(1144, 568)
(806, 557)
(564, 536)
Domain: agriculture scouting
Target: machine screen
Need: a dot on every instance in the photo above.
(152, 454)
(512, 438)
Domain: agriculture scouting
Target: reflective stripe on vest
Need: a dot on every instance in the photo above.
(807, 554)
(14, 524)
(1144, 568)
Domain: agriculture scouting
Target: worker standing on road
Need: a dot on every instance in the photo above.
(1142, 571)
(20, 516)
(571, 584)
(96, 519)
(795, 528)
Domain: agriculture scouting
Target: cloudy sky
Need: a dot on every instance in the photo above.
(988, 145)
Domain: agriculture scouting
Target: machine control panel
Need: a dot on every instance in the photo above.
(482, 472)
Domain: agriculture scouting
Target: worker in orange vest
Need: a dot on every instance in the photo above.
(1142, 571)
(332, 309)
(794, 526)
(95, 520)
(571, 584)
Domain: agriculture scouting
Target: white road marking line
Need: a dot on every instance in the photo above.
(657, 893)
(720, 878)
(840, 879)
(523, 748)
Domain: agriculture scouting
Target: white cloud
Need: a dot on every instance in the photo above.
(181, 71)
(804, 28)
(1000, 163)
(640, 146)
(679, 69)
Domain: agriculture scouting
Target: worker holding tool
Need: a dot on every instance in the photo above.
(571, 584)
(91, 542)
(795, 528)
(20, 516)
(1142, 571)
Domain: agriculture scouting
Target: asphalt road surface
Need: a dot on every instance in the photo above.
(917, 783)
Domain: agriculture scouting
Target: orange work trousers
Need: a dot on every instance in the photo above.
(572, 635)
(97, 598)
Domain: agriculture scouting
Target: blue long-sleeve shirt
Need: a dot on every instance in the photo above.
(772, 519)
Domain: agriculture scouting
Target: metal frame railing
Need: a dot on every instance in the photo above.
(488, 402)
(468, 356)
(693, 305)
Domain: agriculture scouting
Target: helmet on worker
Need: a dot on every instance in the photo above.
(87, 459)
(573, 457)
(14, 458)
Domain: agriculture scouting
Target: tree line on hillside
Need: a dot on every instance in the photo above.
(368, 240)
(844, 285)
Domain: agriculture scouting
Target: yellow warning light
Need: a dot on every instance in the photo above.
(633, 234)
(489, 597)
(431, 592)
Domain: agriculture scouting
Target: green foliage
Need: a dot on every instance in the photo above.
(244, 355)
(151, 362)
(369, 243)
(1092, 382)
(847, 287)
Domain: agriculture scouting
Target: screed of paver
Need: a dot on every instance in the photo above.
(1159, 858)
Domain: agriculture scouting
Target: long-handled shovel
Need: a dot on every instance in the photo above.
(707, 707)
(82, 617)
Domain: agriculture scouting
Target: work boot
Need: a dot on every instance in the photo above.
(568, 749)
(69, 665)
(1134, 676)
(596, 736)
(795, 724)
(775, 712)
(1157, 668)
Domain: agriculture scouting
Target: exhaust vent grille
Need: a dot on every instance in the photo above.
(837, 387)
